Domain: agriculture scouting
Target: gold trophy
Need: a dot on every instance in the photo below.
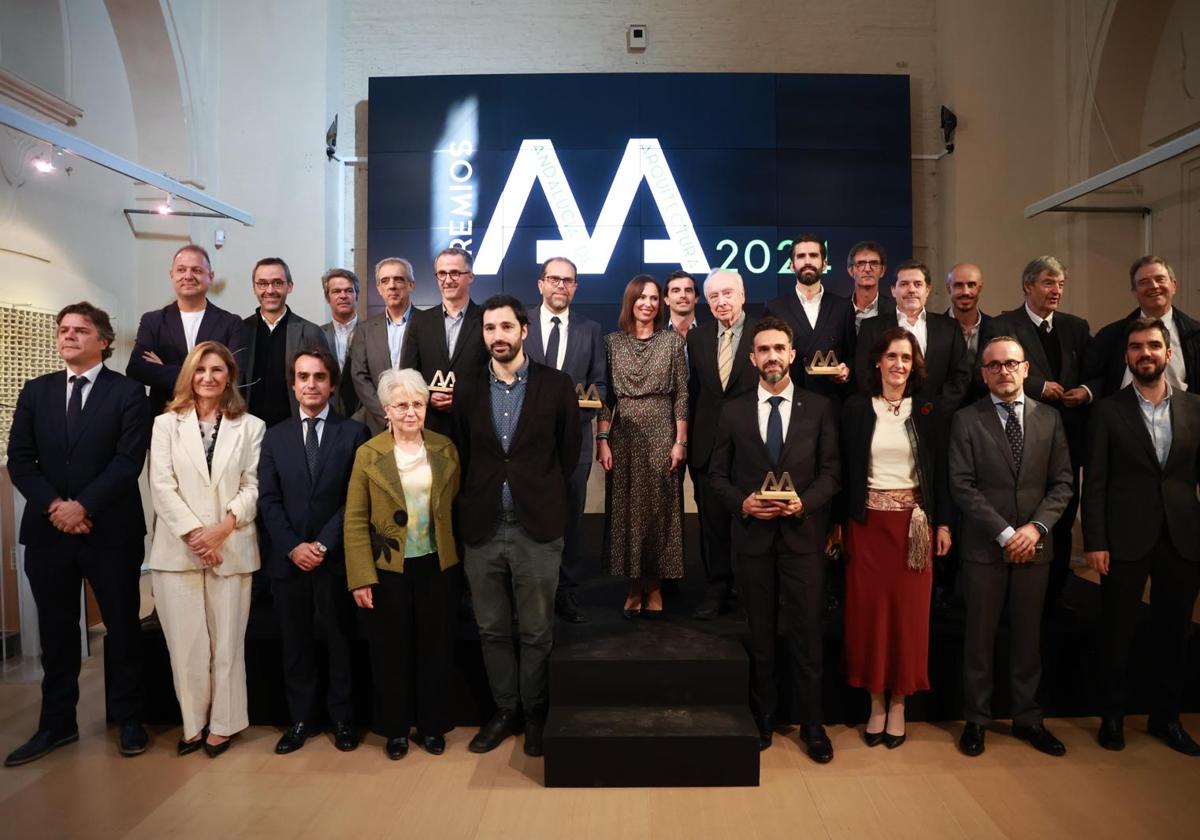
(777, 489)
(443, 383)
(823, 364)
(589, 398)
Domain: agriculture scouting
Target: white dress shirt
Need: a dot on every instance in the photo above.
(564, 319)
(89, 375)
(321, 416)
(271, 326)
(342, 333)
(920, 329)
(811, 306)
(764, 408)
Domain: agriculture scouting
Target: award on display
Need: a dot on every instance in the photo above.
(442, 383)
(777, 489)
(823, 364)
(589, 398)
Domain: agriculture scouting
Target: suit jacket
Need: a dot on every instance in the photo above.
(976, 389)
(991, 492)
(810, 456)
(705, 397)
(1128, 499)
(99, 468)
(834, 331)
(300, 333)
(1104, 365)
(927, 432)
(161, 332)
(369, 357)
(584, 361)
(425, 350)
(947, 374)
(294, 507)
(187, 496)
(345, 398)
(539, 461)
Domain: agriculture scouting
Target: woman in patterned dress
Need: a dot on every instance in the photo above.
(641, 441)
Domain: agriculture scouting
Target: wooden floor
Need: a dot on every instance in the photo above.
(924, 789)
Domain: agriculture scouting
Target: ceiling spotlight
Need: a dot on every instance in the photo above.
(166, 208)
(43, 165)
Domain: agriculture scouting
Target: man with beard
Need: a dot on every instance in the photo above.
(964, 284)
(820, 320)
(946, 372)
(778, 428)
(517, 430)
(340, 287)
(867, 265)
(1141, 518)
(378, 340)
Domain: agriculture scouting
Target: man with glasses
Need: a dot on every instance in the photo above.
(340, 287)
(446, 338)
(1010, 470)
(567, 341)
(867, 265)
(379, 340)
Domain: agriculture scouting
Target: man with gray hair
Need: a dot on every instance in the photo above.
(377, 341)
(340, 288)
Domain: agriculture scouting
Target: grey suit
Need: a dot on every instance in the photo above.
(345, 398)
(993, 494)
(368, 358)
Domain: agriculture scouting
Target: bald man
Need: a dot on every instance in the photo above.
(964, 285)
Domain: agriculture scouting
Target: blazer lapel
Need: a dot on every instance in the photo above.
(1132, 415)
(328, 438)
(793, 430)
(175, 333)
(229, 440)
(469, 323)
(804, 330)
(741, 355)
(992, 425)
(533, 342)
(58, 404)
(379, 353)
(187, 429)
(1181, 429)
(384, 473)
(1027, 333)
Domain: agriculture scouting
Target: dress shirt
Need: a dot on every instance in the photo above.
(453, 327)
(342, 333)
(868, 311)
(785, 408)
(812, 306)
(971, 333)
(271, 326)
(507, 400)
(1176, 368)
(191, 327)
(1037, 319)
(920, 329)
(321, 416)
(1158, 423)
(737, 326)
(564, 319)
(395, 334)
(90, 375)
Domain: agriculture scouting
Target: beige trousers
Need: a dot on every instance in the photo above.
(203, 616)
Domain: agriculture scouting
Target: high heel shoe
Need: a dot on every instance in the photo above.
(631, 613)
(872, 739)
(892, 741)
(653, 615)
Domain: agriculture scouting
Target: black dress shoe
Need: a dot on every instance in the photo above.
(345, 738)
(567, 608)
(42, 742)
(892, 741)
(294, 738)
(1174, 736)
(133, 739)
(872, 739)
(631, 613)
(1111, 735)
(504, 723)
(971, 741)
(820, 748)
(534, 742)
(432, 744)
(188, 747)
(396, 748)
(1041, 739)
(214, 750)
(715, 602)
(766, 730)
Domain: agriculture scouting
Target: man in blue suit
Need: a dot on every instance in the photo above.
(165, 336)
(573, 344)
(303, 474)
(77, 444)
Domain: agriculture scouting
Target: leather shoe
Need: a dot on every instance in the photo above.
(294, 738)
(567, 608)
(432, 744)
(820, 748)
(631, 613)
(971, 742)
(396, 748)
(344, 736)
(504, 723)
(1111, 735)
(43, 742)
(892, 741)
(1041, 739)
(766, 730)
(872, 739)
(1174, 736)
(715, 602)
(534, 732)
(214, 750)
(133, 739)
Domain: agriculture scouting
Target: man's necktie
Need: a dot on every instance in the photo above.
(1045, 327)
(1012, 431)
(552, 343)
(725, 358)
(774, 430)
(312, 445)
(75, 405)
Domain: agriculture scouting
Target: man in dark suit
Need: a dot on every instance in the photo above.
(719, 370)
(1152, 281)
(569, 342)
(517, 429)
(446, 337)
(77, 444)
(780, 428)
(1055, 345)
(271, 336)
(1010, 471)
(947, 375)
(165, 336)
(340, 287)
(1141, 518)
(303, 474)
(867, 266)
(379, 340)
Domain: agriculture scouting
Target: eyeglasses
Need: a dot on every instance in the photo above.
(860, 265)
(451, 275)
(1009, 365)
(263, 285)
(561, 282)
(405, 407)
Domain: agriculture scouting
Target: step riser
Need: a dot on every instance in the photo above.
(698, 761)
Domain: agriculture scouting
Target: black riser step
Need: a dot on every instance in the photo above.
(651, 746)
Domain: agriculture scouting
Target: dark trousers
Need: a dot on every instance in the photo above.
(56, 574)
(572, 571)
(987, 588)
(799, 579)
(310, 604)
(1061, 536)
(1175, 582)
(410, 631)
(715, 538)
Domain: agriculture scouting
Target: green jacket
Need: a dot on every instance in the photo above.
(373, 538)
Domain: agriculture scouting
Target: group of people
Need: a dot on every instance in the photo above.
(370, 465)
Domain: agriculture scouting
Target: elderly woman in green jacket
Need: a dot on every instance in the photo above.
(402, 567)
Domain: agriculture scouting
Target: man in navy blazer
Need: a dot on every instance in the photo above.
(76, 448)
(303, 474)
(577, 347)
(165, 336)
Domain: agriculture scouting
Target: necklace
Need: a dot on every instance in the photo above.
(893, 405)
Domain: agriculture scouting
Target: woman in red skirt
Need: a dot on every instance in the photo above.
(897, 516)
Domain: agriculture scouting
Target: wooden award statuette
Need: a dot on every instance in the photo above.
(823, 364)
(443, 383)
(589, 398)
(777, 489)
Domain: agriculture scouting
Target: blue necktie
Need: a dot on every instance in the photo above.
(774, 430)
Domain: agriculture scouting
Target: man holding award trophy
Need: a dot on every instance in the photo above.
(775, 468)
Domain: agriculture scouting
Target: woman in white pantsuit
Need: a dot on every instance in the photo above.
(204, 484)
